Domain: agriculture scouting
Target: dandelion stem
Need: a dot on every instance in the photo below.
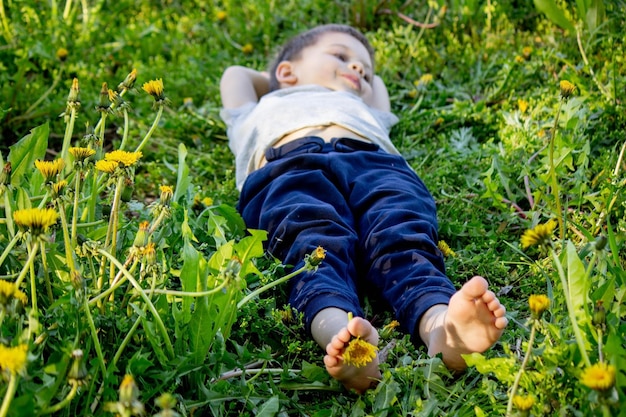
(29, 261)
(190, 293)
(142, 294)
(68, 7)
(271, 285)
(570, 308)
(69, 256)
(46, 275)
(8, 209)
(152, 129)
(63, 403)
(96, 341)
(75, 210)
(8, 249)
(8, 395)
(619, 160)
(5, 24)
(553, 176)
(518, 377)
(125, 136)
(69, 130)
(117, 282)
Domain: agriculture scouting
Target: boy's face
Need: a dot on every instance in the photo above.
(336, 61)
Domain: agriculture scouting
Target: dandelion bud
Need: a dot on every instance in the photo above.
(166, 401)
(599, 315)
(103, 98)
(72, 97)
(567, 89)
(127, 191)
(316, 257)
(538, 304)
(78, 372)
(129, 391)
(167, 192)
(77, 280)
(141, 238)
(600, 242)
(129, 81)
(5, 175)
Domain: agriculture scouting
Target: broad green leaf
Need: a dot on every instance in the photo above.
(23, 154)
(216, 227)
(577, 287)
(269, 408)
(249, 248)
(386, 396)
(554, 13)
(202, 325)
(503, 368)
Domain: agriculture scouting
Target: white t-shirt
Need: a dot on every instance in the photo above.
(254, 127)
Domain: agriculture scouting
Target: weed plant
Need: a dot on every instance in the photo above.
(129, 285)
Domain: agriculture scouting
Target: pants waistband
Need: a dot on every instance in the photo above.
(315, 144)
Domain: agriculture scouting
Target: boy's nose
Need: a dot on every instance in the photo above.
(356, 66)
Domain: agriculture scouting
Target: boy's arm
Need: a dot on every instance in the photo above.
(380, 97)
(240, 85)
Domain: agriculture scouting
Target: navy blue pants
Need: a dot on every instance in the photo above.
(368, 209)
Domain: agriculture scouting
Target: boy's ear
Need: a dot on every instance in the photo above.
(285, 73)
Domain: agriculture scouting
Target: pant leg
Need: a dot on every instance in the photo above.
(396, 222)
(295, 200)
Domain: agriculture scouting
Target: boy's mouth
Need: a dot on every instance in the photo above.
(354, 80)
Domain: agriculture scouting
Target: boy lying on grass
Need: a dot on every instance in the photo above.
(316, 167)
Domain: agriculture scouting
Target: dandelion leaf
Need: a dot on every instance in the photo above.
(269, 408)
(503, 368)
(23, 154)
(577, 287)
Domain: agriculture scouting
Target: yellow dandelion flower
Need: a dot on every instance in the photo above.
(359, 353)
(155, 89)
(424, 80)
(9, 292)
(123, 158)
(523, 402)
(13, 359)
(567, 89)
(221, 15)
(107, 166)
(247, 48)
(207, 201)
(538, 304)
(80, 154)
(527, 51)
(522, 105)
(167, 192)
(519, 59)
(50, 169)
(58, 188)
(539, 235)
(445, 249)
(36, 219)
(599, 377)
(62, 54)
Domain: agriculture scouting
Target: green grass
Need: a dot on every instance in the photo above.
(479, 133)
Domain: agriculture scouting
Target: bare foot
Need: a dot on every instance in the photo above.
(353, 378)
(472, 322)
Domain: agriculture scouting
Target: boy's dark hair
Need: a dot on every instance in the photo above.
(294, 46)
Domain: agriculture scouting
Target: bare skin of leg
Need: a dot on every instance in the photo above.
(472, 322)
